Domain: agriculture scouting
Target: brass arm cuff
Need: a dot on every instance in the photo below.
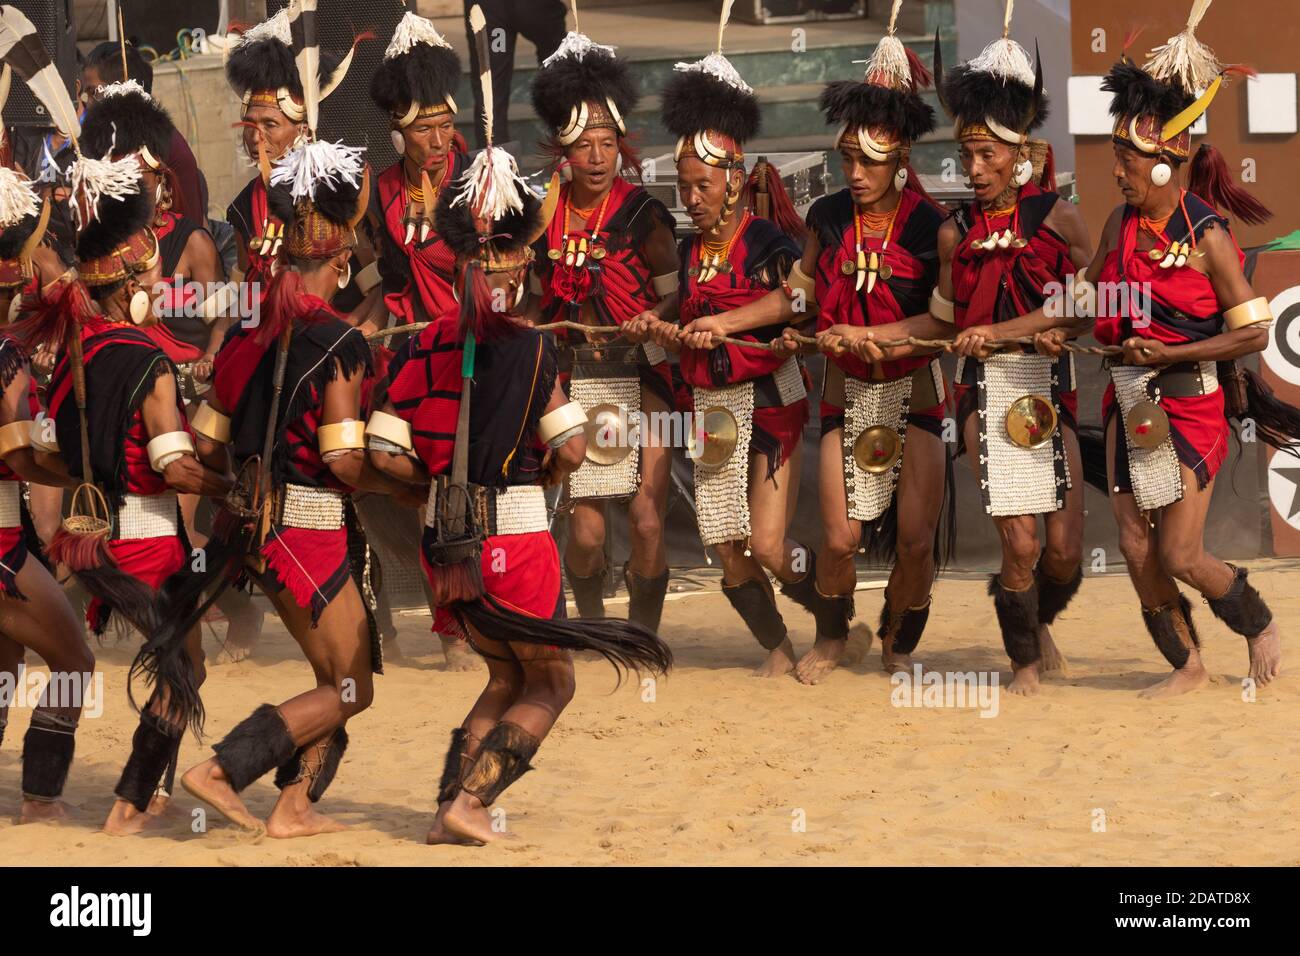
(390, 428)
(14, 436)
(941, 308)
(1248, 313)
(665, 285)
(211, 424)
(341, 436)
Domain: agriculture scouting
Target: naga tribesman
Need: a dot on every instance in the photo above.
(477, 419)
(750, 403)
(1175, 387)
(607, 258)
(1004, 257)
(34, 611)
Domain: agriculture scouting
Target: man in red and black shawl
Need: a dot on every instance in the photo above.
(1166, 411)
(607, 258)
(1004, 259)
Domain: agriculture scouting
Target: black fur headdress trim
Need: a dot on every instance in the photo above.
(268, 65)
(12, 239)
(869, 104)
(117, 221)
(510, 235)
(972, 95)
(696, 100)
(124, 123)
(1135, 92)
(567, 82)
(425, 74)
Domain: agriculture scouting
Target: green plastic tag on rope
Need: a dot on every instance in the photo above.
(467, 359)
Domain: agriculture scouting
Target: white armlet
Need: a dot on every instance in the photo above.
(165, 449)
(941, 308)
(385, 429)
(557, 427)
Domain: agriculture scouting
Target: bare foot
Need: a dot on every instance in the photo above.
(891, 661)
(816, 665)
(208, 782)
(285, 823)
(459, 655)
(232, 653)
(161, 806)
(1051, 659)
(126, 820)
(392, 650)
(469, 820)
(1024, 680)
(780, 661)
(439, 834)
(1265, 654)
(1191, 676)
(41, 811)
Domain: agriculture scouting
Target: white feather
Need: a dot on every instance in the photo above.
(276, 28)
(1005, 59)
(893, 16)
(45, 83)
(17, 198)
(306, 166)
(411, 30)
(576, 45)
(491, 185)
(722, 23)
(716, 65)
(93, 179)
(121, 87)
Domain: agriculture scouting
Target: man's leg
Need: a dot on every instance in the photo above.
(1060, 567)
(584, 557)
(834, 576)
(542, 24)
(919, 495)
(502, 35)
(646, 573)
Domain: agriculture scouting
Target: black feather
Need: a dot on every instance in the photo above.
(695, 101)
(868, 104)
(117, 221)
(12, 239)
(456, 227)
(426, 75)
(569, 81)
(1135, 92)
(124, 123)
(972, 96)
(337, 201)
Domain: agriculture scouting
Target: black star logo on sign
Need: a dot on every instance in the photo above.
(1292, 475)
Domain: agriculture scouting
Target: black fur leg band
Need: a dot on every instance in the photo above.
(904, 627)
(804, 591)
(317, 762)
(502, 760)
(1172, 631)
(1242, 609)
(151, 751)
(1018, 619)
(453, 766)
(755, 604)
(645, 604)
(47, 755)
(257, 744)
(833, 614)
(588, 593)
(1054, 596)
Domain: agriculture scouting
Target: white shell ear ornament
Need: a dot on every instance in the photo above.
(346, 275)
(900, 178)
(139, 307)
(1023, 171)
(1161, 173)
(398, 141)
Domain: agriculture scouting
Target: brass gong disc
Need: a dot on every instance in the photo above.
(720, 436)
(609, 436)
(877, 449)
(1147, 425)
(1031, 421)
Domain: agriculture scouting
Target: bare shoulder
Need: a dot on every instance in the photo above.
(948, 237)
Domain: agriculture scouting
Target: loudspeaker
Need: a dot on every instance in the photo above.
(350, 114)
(56, 26)
(153, 24)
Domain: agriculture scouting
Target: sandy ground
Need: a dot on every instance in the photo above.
(722, 768)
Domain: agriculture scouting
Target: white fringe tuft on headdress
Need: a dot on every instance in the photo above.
(889, 66)
(277, 27)
(1186, 58)
(1007, 60)
(93, 179)
(411, 30)
(490, 187)
(717, 65)
(17, 198)
(576, 45)
(121, 87)
(305, 167)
